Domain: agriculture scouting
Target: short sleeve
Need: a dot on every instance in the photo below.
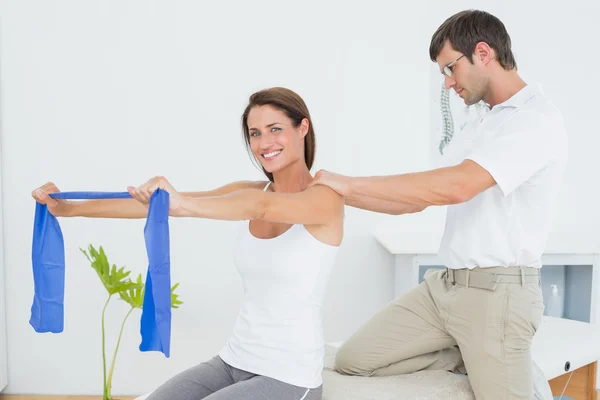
(524, 145)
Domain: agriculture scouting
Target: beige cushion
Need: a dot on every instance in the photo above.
(418, 385)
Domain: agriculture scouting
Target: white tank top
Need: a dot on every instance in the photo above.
(279, 330)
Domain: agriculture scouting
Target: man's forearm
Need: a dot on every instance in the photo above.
(382, 206)
(413, 191)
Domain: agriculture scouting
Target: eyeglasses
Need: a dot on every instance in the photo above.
(447, 70)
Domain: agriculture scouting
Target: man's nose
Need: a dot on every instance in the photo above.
(449, 82)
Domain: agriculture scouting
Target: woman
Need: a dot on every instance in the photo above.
(285, 255)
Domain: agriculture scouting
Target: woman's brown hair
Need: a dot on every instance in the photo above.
(293, 106)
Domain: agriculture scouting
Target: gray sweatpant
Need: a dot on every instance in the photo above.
(217, 380)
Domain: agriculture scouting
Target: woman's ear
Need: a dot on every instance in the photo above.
(304, 125)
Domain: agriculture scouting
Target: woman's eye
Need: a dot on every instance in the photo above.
(275, 129)
(254, 134)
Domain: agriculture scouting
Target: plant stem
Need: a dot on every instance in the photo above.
(112, 365)
(105, 394)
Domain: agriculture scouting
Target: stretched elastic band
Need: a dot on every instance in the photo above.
(48, 261)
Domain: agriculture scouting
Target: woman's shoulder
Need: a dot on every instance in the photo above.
(255, 184)
(241, 185)
(228, 188)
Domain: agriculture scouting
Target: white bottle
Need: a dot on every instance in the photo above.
(555, 305)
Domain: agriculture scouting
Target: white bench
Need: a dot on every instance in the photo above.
(560, 347)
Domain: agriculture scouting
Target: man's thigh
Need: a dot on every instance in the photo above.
(494, 330)
(405, 336)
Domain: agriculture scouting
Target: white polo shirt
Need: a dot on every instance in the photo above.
(522, 143)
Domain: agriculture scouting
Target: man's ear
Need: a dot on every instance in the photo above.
(483, 53)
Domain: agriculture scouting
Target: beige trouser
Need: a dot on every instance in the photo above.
(485, 318)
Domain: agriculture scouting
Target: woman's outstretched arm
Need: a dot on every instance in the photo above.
(117, 208)
(317, 205)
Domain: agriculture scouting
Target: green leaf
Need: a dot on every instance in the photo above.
(135, 296)
(117, 281)
(113, 279)
(175, 302)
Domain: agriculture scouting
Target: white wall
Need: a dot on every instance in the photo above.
(3, 349)
(100, 95)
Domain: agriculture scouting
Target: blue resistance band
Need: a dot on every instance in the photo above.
(48, 259)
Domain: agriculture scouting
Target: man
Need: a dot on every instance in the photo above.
(501, 190)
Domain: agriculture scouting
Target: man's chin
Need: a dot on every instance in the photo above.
(471, 100)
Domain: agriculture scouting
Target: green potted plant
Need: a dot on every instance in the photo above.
(116, 281)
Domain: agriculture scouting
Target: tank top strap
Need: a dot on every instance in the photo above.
(267, 186)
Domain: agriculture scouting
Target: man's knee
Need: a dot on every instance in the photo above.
(347, 361)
